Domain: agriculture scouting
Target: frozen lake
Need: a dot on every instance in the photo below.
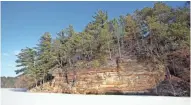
(21, 97)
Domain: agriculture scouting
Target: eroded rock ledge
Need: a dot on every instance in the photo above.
(105, 80)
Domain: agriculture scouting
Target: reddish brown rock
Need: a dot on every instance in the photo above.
(103, 80)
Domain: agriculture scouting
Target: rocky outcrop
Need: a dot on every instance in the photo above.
(172, 87)
(112, 81)
(129, 78)
(179, 64)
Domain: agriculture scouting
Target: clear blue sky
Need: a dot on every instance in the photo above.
(24, 22)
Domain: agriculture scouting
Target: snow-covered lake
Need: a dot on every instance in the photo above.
(21, 97)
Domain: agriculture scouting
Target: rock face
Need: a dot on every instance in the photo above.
(112, 81)
(107, 80)
(173, 87)
(179, 64)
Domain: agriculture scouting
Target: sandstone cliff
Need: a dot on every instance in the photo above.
(131, 77)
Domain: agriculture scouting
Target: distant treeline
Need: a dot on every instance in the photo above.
(8, 82)
(158, 34)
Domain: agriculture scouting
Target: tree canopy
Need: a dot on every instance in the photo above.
(149, 33)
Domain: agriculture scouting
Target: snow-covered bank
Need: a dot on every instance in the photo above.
(9, 97)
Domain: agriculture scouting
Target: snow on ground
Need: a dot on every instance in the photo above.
(10, 97)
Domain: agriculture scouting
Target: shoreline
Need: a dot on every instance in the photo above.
(25, 98)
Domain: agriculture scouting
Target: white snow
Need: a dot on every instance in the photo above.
(9, 97)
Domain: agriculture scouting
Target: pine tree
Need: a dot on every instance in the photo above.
(45, 55)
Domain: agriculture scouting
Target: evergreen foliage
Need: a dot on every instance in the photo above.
(150, 33)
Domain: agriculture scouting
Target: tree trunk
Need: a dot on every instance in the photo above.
(90, 50)
(119, 49)
(36, 82)
(109, 51)
(136, 41)
(41, 84)
(66, 71)
(66, 76)
(43, 76)
(122, 44)
(169, 80)
(69, 60)
(74, 77)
